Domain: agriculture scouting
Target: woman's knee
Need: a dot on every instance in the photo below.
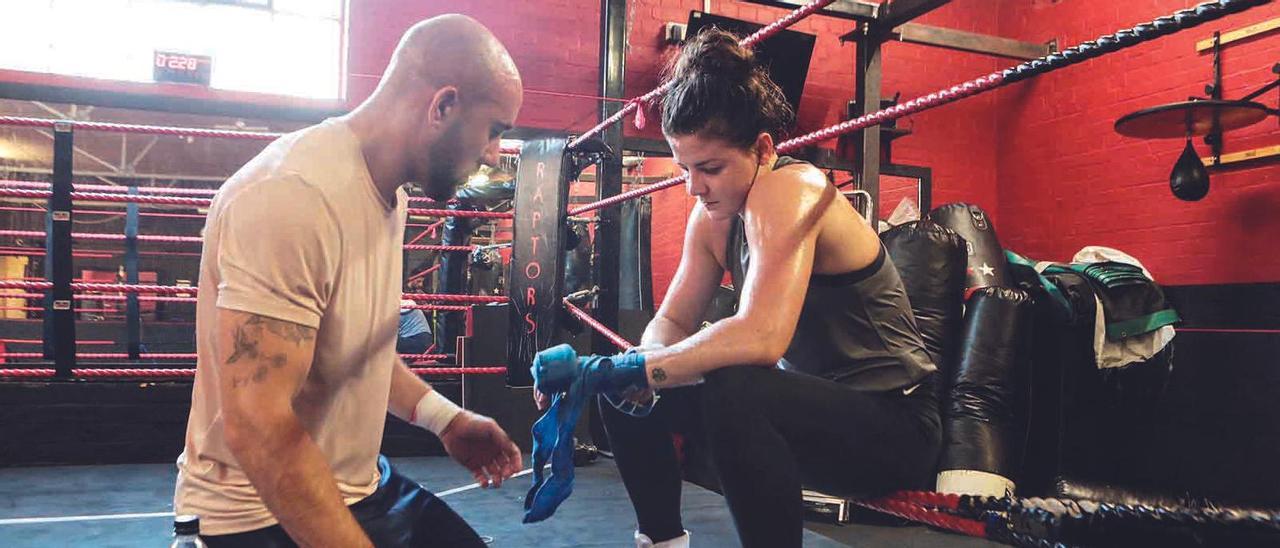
(733, 384)
(730, 395)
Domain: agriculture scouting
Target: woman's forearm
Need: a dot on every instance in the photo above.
(728, 342)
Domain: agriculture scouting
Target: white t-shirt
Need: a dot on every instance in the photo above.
(299, 234)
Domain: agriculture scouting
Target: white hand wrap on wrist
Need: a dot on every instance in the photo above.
(434, 412)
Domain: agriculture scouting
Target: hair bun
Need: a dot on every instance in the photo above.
(719, 87)
(716, 53)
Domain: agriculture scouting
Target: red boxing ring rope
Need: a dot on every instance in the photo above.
(438, 307)
(205, 202)
(109, 197)
(425, 273)
(186, 373)
(459, 370)
(50, 123)
(107, 212)
(615, 338)
(461, 213)
(99, 356)
(172, 290)
(932, 499)
(422, 247)
(106, 237)
(450, 298)
(171, 356)
(195, 239)
(38, 341)
(99, 373)
(110, 288)
(143, 298)
(949, 95)
(425, 356)
(920, 514)
(113, 188)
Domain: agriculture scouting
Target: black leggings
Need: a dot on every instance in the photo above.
(769, 432)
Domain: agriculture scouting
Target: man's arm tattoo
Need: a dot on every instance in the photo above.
(288, 331)
(246, 339)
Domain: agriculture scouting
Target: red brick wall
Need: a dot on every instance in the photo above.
(555, 43)
(1067, 179)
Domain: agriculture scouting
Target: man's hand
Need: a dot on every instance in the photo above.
(480, 445)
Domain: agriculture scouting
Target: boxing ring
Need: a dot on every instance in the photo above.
(536, 302)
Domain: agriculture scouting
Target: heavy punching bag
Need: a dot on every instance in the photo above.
(931, 260)
(988, 266)
(635, 281)
(453, 275)
(982, 425)
(454, 265)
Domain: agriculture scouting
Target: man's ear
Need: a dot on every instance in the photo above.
(764, 147)
(444, 106)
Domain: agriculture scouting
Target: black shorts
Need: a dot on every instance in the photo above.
(400, 513)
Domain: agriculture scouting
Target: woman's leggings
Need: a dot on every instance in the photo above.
(770, 432)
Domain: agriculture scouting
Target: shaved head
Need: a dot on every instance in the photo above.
(448, 94)
(452, 50)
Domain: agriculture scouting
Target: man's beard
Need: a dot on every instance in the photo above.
(444, 175)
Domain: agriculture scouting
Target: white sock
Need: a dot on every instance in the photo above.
(643, 541)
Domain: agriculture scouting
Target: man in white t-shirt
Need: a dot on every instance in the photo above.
(297, 316)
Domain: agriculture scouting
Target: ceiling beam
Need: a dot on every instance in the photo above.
(844, 9)
(897, 12)
(916, 33)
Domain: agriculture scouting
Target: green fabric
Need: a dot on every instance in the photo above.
(1064, 306)
(1144, 324)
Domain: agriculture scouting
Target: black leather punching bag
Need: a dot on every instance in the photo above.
(453, 276)
(1189, 179)
(454, 264)
(931, 260)
(987, 263)
(981, 423)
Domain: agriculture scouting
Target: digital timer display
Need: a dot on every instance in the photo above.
(181, 68)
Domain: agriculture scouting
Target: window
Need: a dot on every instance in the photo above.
(287, 47)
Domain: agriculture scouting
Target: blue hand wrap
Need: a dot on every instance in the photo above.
(572, 382)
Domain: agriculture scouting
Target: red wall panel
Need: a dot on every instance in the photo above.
(555, 43)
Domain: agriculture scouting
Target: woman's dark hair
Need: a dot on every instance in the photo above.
(721, 91)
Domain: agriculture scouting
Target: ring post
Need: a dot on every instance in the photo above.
(547, 166)
(59, 309)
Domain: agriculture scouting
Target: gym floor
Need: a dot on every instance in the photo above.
(130, 505)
